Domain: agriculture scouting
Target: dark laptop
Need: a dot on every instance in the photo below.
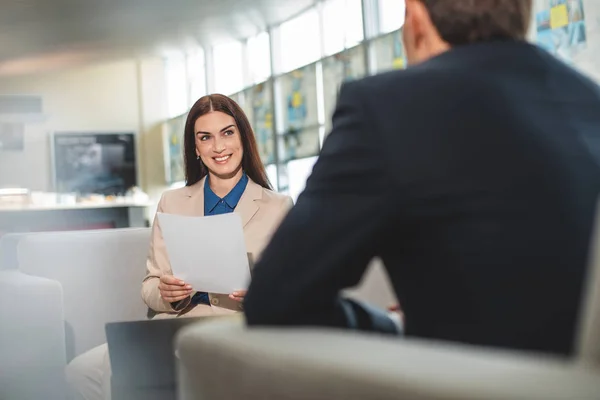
(142, 357)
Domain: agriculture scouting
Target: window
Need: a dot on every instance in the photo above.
(388, 52)
(196, 71)
(259, 109)
(299, 40)
(173, 132)
(342, 25)
(177, 93)
(337, 69)
(391, 15)
(298, 99)
(298, 172)
(312, 54)
(259, 58)
(272, 175)
(229, 62)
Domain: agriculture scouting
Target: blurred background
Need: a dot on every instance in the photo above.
(93, 100)
(94, 94)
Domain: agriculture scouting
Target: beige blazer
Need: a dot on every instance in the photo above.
(261, 210)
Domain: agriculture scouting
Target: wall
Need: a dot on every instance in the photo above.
(100, 97)
(153, 111)
(126, 95)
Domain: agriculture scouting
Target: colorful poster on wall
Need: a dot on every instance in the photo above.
(561, 27)
(296, 108)
(261, 102)
(345, 66)
(300, 136)
(299, 98)
(173, 138)
(299, 144)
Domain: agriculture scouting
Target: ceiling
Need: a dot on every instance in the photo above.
(38, 33)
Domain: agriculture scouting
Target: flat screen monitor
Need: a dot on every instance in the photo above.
(94, 163)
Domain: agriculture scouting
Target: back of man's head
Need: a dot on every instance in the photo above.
(468, 21)
(433, 26)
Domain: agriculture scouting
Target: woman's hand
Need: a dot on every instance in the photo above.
(238, 295)
(173, 289)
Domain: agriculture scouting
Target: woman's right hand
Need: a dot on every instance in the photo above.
(173, 289)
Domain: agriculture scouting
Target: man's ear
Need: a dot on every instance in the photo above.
(423, 29)
(417, 17)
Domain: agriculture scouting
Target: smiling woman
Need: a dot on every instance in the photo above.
(224, 174)
(217, 127)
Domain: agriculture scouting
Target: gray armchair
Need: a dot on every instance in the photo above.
(225, 360)
(57, 291)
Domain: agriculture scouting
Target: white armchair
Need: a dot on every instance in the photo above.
(57, 291)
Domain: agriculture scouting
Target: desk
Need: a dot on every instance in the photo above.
(63, 217)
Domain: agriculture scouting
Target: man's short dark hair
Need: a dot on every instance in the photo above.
(469, 21)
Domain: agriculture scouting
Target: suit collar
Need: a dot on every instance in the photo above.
(246, 207)
(484, 53)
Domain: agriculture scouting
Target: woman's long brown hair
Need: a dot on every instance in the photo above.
(252, 165)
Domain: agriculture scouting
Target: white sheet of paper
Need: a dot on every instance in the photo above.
(208, 253)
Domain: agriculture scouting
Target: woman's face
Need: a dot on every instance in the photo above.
(218, 144)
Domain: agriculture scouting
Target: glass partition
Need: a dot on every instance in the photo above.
(344, 66)
(287, 79)
(299, 136)
(389, 52)
(299, 99)
(173, 132)
(294, 175)
(260, 101)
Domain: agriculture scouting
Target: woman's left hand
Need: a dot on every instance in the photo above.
(238, 295)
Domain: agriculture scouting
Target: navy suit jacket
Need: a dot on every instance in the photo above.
(474, 176)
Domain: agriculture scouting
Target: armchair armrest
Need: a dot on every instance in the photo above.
(223, 359)
(32, 337)
(8, 250)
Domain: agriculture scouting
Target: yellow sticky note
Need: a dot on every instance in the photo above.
(559, 16)
(398, 63)
(296, 99)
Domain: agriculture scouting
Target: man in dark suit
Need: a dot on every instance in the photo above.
(473, 174)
